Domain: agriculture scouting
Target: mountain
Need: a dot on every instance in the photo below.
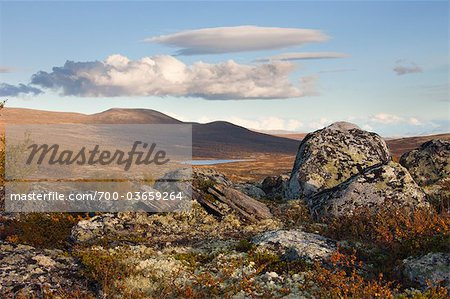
(212, 140)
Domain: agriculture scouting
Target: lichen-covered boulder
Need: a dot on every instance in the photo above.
(330, 156)
(429, 163)
(433, 267)
(378, 186)
(27, 272)
(296, 244)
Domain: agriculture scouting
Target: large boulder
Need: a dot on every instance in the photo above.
(27, 272)
(378, 186)
(429, 163)
(433, 267)
(296, 244)
(330, 156)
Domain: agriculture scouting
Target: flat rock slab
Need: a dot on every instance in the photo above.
(296, 244)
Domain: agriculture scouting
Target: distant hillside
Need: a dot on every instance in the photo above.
(402, 145)
(211, 140)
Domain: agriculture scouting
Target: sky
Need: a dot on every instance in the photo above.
(295, 66)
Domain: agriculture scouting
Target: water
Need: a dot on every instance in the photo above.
(214, 162)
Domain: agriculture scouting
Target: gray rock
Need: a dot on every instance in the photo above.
(251, 190)
(275, 186)
(378, 186)
(429, 163)
(222, 200)
(25, 272)
(330, 156)
(105, 225)
(296, 244)
(433, 267)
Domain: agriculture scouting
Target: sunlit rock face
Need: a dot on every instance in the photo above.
(381, 186)
(429, 163)
(332, 155)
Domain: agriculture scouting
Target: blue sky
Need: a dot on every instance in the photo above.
(386, 69)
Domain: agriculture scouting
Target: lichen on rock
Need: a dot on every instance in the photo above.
(330, 156)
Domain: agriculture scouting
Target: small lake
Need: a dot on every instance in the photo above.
(214, 162)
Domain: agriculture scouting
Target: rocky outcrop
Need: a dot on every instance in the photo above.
(332, 155)
(433, 267)
(378, 186)
(429, 163)
(221, 200)
(296, 244)
(27, 272)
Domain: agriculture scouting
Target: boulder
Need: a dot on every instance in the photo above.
(221, 200)
(296, 244)
(429, 163)
(252, 190)
(27, 272)
(275, 186)
(433, 267)
(330, 156)
(378, 186)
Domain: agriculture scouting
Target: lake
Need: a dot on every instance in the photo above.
(214, 162)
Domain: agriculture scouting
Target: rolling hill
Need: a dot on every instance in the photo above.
(212, 140)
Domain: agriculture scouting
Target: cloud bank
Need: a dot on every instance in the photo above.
(167, 76)
(8, 90)
(303, 56)
(237, 39)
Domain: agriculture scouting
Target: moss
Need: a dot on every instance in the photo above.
(40, 230)
(192, 258)
(244, 246)
(204, 185)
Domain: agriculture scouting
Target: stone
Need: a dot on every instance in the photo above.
(27, 272)
(222, 200)
(275, 186)
(378, 186)
(332, 155)
(296, 244)
(433, 267)
(429, 163)
(251, 190)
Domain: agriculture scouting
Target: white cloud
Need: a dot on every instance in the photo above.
(367, 127)
(303, 56)
(237, 39)
(414, 121)
(386, 118)
(167, 76)
(319, 124)
(260, 124)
